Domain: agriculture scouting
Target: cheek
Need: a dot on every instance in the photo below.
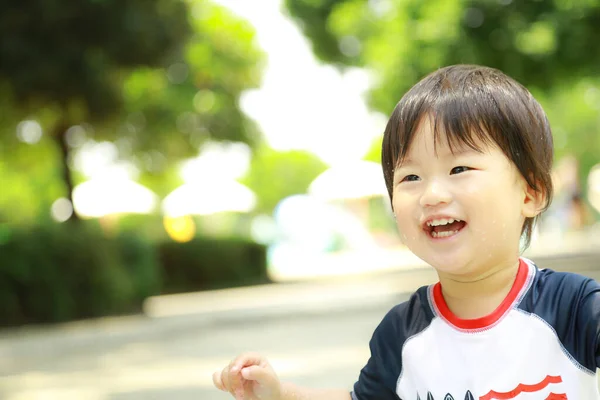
(478, 189)
(404, 213)
(488, 194)
(495, 211)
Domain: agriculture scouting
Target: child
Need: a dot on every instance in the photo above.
(467, 155)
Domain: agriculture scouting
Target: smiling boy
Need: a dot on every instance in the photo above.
(467, 157)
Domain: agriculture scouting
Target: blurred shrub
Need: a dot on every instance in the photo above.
(69, 271)
(140, 261)
(62, 272)
(211, 264)
(58, 272)
(148, 227)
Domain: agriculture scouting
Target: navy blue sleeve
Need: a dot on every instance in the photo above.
(588, 322)
(570, 304)
(378, 379)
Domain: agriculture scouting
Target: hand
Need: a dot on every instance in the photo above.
(249, 377)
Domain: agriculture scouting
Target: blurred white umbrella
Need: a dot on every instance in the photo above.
(102, 196)
(209, 197)
(354, 180)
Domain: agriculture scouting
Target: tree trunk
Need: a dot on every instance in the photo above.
(60, 136)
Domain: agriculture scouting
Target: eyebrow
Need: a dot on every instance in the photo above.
(406, 161)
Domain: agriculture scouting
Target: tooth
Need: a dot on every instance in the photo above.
(443, 234)
(441, 221)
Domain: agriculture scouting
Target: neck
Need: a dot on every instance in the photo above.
(479, 294)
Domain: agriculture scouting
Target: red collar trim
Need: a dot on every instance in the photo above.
(491, 319)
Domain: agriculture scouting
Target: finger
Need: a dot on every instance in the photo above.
(262, 381)
(217, 381)
(264, 376)
(233, 384)
(226, 381)
(247, 359)
(232, 380)
(237, 385)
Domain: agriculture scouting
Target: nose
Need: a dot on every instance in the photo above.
(435, 193)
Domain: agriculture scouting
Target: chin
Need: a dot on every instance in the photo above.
(445, 263)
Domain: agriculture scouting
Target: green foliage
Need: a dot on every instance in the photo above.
(63, 63)
(72, 53)
(313, 18)
(274, 175)
(139, 259)
(30, 182)
(212, 263)
(156, 77)
(538, 42)
(573, 114)
(172, 111)
(147, 227)
(60, 272)
(374, 152)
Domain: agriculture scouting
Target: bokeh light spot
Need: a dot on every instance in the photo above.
(75, 136)
(204, 101)
(180, 229)
(177, 73)
(61, 209)
(29, 131)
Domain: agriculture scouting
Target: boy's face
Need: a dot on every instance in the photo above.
(481, 191)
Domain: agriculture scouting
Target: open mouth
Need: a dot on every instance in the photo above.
(443, 227)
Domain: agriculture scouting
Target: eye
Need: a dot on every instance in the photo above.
(410, 178)
(458, 170)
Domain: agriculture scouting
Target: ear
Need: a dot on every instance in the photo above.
(534, 201)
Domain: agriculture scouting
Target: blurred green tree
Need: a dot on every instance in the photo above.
(546, 45)
(30, 182)
(374, 152)
(157, 77)
(172, 111)
(70, 57)
(573, 111)
(540, 43)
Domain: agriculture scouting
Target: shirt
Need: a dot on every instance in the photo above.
(540, 343)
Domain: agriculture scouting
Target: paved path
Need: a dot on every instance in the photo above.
(173, 358)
